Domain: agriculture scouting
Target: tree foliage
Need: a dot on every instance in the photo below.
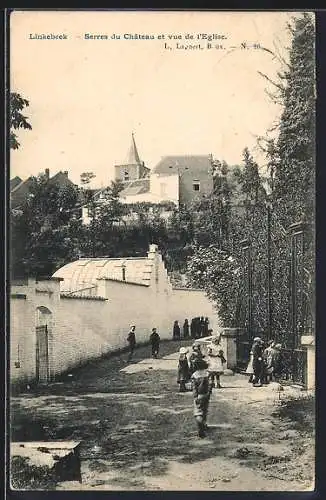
(16, 119)
(45, 230)
(291, 169)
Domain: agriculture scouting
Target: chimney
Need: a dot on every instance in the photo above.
(66, 173)
(153, 249)
(47, 174)
(153, 255)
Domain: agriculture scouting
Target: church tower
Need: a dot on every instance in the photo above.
(132, 168)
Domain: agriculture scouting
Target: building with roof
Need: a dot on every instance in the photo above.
(132, 168)
(20, 190)
(86, 308)
(175, 179)
(185, 178)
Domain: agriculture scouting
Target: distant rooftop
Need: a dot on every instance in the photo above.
(171, 165)
(138, 186)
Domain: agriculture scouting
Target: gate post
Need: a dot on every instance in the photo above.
(308, 342)
(229, 346)
(246, 248)
(296, 285)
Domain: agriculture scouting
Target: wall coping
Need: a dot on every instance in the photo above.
(18, 296)
(184, 288)
(230, 332)
(83, 297)
(307, 340)
(125, 282)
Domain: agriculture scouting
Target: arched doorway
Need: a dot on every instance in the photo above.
(43, 331)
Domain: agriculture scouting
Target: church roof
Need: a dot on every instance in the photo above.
(83, 274)
(170, 165)
(133, 156)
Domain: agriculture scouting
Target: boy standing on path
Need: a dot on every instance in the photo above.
(155, 341)
(201, 389)
(131, 339)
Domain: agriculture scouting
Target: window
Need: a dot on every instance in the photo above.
(196, 185)
(126, 176)
(163, 189)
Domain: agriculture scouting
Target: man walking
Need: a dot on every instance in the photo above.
(155, 341)
(131, 339)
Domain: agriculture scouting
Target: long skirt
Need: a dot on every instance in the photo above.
(250, 369)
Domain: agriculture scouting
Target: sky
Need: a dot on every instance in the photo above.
(88, 95)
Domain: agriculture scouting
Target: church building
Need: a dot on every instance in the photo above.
(175, 179)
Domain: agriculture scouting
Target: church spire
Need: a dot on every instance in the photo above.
(133, 156)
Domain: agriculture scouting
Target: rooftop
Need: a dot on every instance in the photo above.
(170, 165)
(133, 155)
(138, 186)
(84, 273)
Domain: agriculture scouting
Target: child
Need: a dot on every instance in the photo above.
(196, 354)
(183, 369)
(216, 361)
(155, 342)
(201, 388)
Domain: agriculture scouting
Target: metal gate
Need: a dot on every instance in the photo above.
(274, 297)
(42, 354)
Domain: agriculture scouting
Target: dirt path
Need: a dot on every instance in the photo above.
(138, 433)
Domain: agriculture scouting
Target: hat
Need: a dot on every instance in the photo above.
(257, 339)
(183, 350)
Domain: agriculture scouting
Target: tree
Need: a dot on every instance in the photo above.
(295, 171)
(217, 272)
(46, 230)
(17, 120)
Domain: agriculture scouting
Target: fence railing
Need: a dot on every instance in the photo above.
(294, 366)
(293, 362)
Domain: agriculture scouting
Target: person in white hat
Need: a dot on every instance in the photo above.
(131, 339)
(183, 369)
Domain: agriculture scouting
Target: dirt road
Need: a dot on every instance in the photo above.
(137, 431)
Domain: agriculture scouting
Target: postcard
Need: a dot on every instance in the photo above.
(162, 287)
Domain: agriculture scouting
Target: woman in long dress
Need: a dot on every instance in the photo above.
(183, 369)
(250, 369)
(176, 330)
(186, 329)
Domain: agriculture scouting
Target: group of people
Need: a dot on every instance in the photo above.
(198, 328)
(154, 339)
(265, 362)
(203, 373)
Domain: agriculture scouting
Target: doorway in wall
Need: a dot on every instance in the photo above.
(43, 331)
